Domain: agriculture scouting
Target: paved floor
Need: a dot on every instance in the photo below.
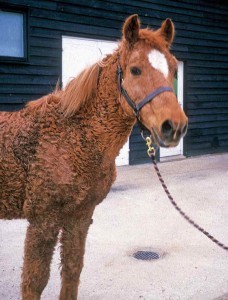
(138, 216)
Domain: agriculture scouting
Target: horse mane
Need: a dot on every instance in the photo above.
(84, 87)
(73, 96)
(79, 90)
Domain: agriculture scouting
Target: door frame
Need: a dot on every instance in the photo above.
(179, 150)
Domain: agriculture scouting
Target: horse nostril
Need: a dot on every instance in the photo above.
(167, 128)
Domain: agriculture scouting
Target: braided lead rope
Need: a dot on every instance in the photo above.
(152, 156)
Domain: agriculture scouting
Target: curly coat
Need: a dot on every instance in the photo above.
(57, 162)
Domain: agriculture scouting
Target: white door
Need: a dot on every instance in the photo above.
(79, 53)
(180, 96)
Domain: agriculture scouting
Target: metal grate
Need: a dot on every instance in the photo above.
(146, 255)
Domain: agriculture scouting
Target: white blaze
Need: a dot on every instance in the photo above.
(159, 62)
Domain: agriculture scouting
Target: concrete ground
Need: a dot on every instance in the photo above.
(138, 216)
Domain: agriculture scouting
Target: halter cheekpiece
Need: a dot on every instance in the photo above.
(137, 107)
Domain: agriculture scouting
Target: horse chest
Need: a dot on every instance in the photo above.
(103, 183)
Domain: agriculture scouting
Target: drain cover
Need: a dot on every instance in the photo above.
(146, 255)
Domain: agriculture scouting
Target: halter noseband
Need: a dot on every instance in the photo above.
(137, 107)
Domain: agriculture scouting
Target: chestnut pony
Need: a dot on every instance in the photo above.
(57, 155)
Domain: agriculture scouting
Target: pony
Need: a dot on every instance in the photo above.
(57, 154)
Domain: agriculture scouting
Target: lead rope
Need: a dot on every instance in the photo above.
(151, 153)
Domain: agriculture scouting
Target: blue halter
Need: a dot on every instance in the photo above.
(137, 107)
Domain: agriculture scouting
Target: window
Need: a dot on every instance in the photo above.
(13, 35)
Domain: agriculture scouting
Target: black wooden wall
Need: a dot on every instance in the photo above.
(201, 42)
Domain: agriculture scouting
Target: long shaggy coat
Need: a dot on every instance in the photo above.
(57, 155)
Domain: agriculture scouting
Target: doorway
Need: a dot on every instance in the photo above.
(80, 53)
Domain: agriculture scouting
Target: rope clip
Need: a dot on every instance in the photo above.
(151, 150)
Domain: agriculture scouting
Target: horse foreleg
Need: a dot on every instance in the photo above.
(39, 246)
(72, 253)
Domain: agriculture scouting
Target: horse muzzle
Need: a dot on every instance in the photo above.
(170, 133)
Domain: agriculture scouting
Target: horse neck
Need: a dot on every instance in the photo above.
(111, 125)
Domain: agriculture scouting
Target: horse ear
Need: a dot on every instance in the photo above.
(131, 29)
(167, 31)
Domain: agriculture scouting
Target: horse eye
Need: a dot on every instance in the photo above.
(135, 71)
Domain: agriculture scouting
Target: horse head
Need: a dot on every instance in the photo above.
(146, 75)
